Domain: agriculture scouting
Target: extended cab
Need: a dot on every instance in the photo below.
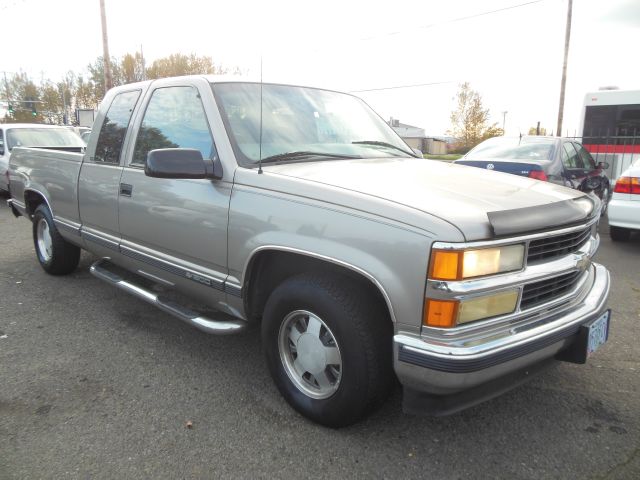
(301, 209)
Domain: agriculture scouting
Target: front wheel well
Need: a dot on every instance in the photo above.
(269, 268)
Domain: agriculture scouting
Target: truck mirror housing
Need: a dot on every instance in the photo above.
(181, 163)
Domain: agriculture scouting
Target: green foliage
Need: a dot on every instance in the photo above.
(470, 120)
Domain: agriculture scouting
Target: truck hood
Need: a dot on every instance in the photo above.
(467, 197)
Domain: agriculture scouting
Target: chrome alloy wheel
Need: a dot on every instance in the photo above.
(310, 354)
(45, 244)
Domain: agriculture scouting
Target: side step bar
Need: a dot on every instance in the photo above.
(228, 326)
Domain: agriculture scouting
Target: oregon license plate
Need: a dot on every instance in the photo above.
(598, 333)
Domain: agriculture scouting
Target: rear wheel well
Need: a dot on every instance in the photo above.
(270, 268)
(32, 200)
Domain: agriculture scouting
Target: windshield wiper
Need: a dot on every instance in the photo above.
(302, 155)
(383, 144)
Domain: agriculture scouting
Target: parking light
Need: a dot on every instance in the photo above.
(451, 313)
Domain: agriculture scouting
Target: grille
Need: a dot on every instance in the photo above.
(557, 246)
(547, 290)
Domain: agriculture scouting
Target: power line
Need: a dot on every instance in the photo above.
(401, 86)
(454, 20)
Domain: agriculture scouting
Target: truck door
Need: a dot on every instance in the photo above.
(176, 227)
(99, 178)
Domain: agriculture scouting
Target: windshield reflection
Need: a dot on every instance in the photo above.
(299, 119)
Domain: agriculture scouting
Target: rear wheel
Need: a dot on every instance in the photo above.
(55, 254)
(328, 347)
(619, 234)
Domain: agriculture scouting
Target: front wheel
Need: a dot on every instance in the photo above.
(328, 347)
(55, 255)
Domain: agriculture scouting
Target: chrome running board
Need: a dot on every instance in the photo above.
(228, 326)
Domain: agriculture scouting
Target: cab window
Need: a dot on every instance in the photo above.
(174, 118)
(114, 127)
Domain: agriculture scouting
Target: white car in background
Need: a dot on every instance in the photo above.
(33, 135)
(624, 208)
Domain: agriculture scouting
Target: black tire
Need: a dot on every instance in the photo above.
(362, 330)
(619, 234)
(605, 202)
(62, 257)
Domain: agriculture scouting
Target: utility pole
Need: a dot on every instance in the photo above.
(108, 79)
(504, 119)
(567, 38)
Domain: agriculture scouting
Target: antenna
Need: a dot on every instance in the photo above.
(260, 144)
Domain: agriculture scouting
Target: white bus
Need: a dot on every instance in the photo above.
(610, 127)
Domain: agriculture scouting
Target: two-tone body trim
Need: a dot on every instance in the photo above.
(170, 267)
(69, 227)
(99, 240)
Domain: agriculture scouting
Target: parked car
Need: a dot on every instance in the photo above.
(624, 209)
(313, 218)
(557, 160)
(33, 135)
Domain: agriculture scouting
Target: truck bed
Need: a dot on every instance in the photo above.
(52, 173)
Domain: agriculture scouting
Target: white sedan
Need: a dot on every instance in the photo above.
(624, 208)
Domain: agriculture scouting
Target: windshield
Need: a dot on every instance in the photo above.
(537, 149)
(43, 137)
(300, 123)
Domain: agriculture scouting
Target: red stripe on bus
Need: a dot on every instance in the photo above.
(613, 148)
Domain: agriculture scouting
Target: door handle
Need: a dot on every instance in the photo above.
(126, 190)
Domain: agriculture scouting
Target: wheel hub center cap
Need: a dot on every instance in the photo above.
(311, 353)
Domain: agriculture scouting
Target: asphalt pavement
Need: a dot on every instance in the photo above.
(97, 384)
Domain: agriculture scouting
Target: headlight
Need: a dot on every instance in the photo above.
(463, 264)
(450, 313)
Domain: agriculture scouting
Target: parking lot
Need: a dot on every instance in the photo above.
(97, 384)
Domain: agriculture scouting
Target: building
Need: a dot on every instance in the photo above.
(416, 138)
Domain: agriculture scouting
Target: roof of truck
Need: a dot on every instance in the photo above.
(29, 125)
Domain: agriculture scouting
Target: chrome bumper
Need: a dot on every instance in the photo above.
(431, 367)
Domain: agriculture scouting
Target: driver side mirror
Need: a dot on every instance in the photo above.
(181, 163)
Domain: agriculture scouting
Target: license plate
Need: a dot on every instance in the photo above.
(598, 333)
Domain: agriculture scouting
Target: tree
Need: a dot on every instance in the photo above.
(470, 120)
(132, 68)
(24, 97)
(179, 64)
(534, 131)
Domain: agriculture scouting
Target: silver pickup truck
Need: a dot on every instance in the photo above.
(230, 203)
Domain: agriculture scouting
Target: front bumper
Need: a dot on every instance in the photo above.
(430, 368)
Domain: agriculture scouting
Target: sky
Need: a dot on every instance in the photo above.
(511, 51)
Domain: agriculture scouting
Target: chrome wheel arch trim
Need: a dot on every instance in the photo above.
(349, 266)
(44, 197)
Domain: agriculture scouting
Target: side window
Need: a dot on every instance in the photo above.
(570, 157)
(586, 157)
(1, 142)
(174, 118)
(114, 127)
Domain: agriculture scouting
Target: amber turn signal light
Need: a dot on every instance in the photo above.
(440, 313)
(445, 265)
